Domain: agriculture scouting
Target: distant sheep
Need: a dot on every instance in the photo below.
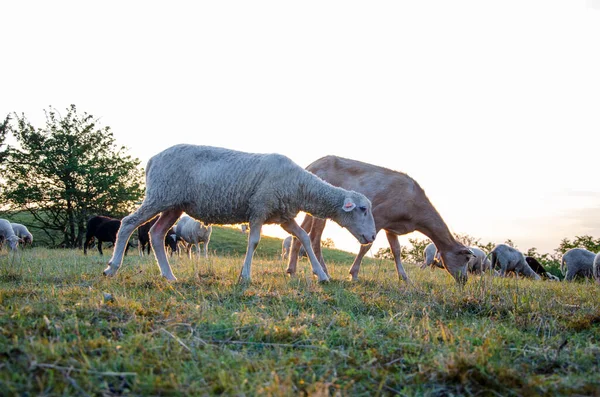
(510, 259)
(579, 263)
(103, 229)
(285, 248)
(192, 233)
(432, 257)
(480, 263)
(244, 228)
(537, 267)
(8, 235)
(596, 268)
(222, 186)
(25, 237)
(144, 238)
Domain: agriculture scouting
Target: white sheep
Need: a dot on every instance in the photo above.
(7, 234)
(191, 233)
(511, 260)
(432, 257)
(480, 263)
(222, 186)
(579, 262)
(22, 233)
(285, 247)
(286, 244)
(596, 268)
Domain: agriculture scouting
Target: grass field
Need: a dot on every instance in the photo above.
(61, 334)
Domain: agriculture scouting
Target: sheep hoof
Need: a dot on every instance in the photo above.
(170, 277)
(109, 272)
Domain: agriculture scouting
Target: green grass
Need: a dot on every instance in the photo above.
(207, 335)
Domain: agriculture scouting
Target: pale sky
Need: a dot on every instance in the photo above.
(492, 106)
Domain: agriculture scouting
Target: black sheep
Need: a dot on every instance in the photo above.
(102, 228)
(144, 237)
(538, 268)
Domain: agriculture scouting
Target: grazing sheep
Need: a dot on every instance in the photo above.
(400, 206)
(22, 233)
(285, 248)
(510, 259)
(7, 234)
(144, 238)
(222, 186)
(92, 225)
(537, 267)
(480, 263)
(596, 268)
(244, 228)
(102, 228)
(579, 262)
(191, 233)
(432, 257)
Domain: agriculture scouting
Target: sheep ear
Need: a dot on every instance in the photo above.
(348, 205)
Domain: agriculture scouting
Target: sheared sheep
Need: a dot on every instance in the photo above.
(7, 234)
(25, 237)
(222, 186)
(400, 206)
(190, 232)
(144, 238)
(510, 259)
(537, 267)
(579, 263)
(432, 257)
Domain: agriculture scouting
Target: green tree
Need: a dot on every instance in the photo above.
(328, 243)
(3, 134)
(587, 242)
(66, 172)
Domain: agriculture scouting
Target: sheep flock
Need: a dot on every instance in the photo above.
(191, 187)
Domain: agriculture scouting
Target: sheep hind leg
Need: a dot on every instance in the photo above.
(158, 232)
(295, 230)
(292, 255)
(395, 247)
(128, 225)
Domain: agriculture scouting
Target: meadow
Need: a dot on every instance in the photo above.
(67, 330)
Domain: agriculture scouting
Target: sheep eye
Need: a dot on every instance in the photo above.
(363, 208)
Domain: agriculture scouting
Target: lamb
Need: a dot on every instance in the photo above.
(222, 186)
(22, 233)
(510, 259)
(400, 206)
(432, 257)
(102, 228)
(192, 233)
(537, 267)
(480, 263)
(596, 268)
(7, 234)
(579, 262)
(144, 238)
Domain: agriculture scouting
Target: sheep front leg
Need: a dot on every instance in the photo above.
(128, 225)
(357, 261)
(158, 232)
(294, 229)
(253, 240)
